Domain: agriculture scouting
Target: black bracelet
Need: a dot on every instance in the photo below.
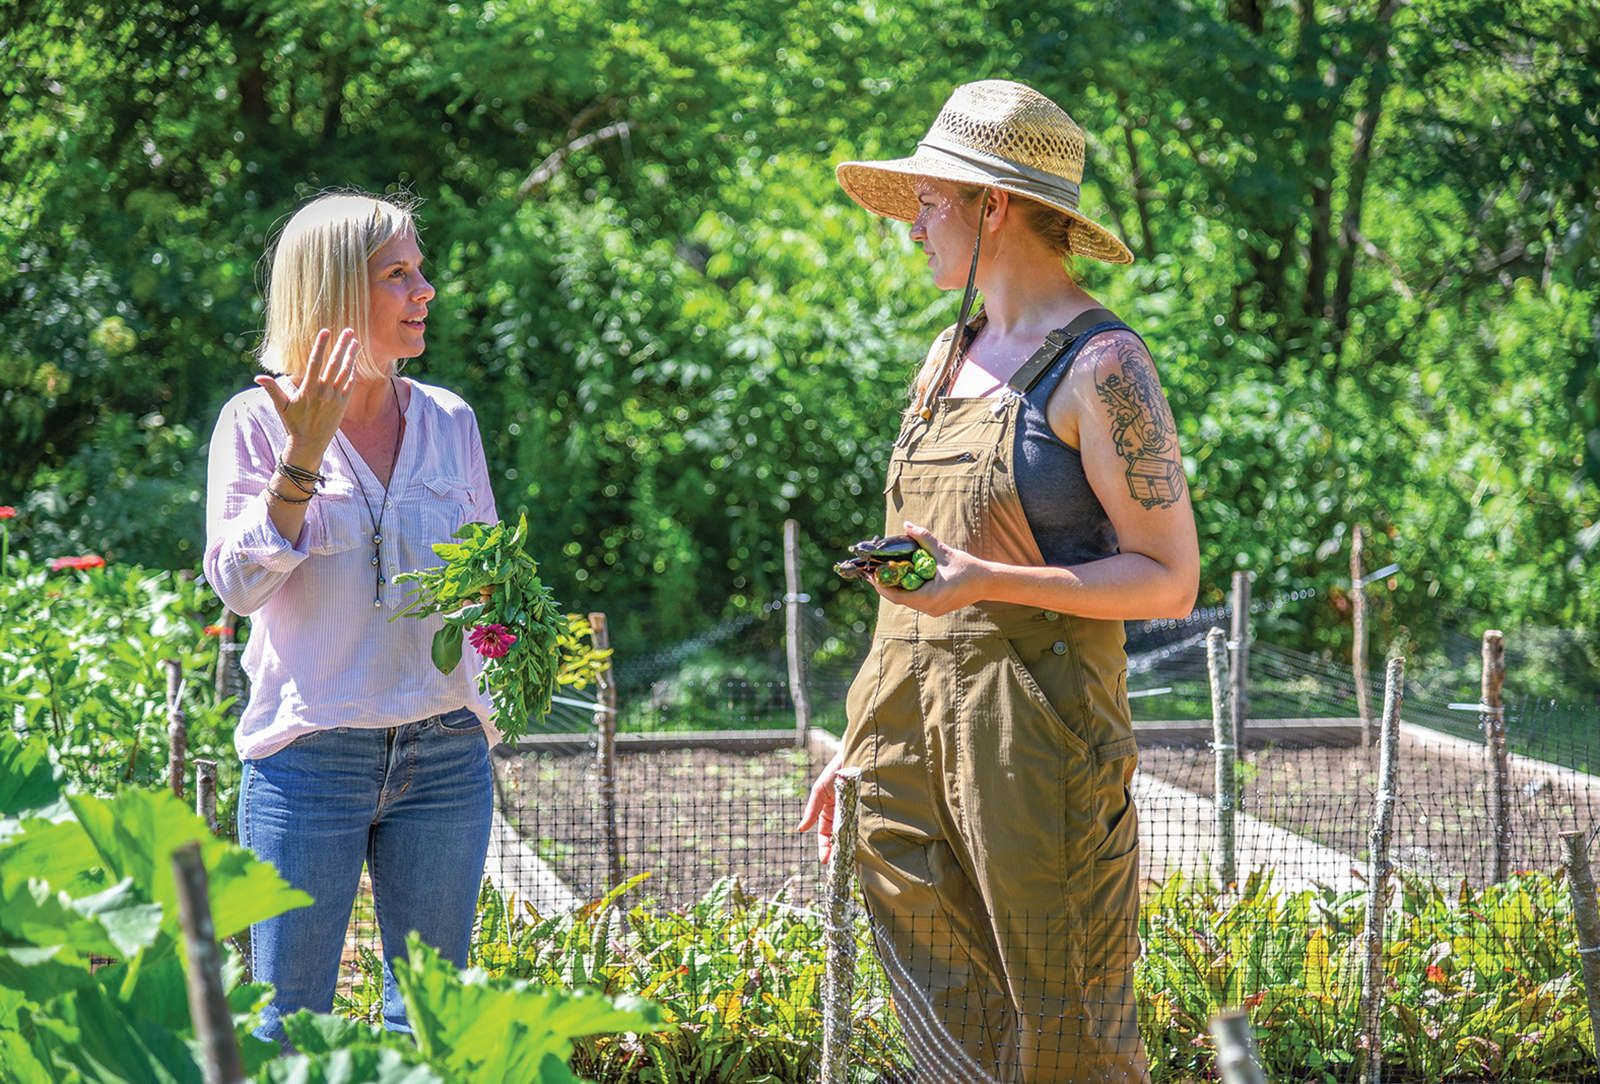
(312, 492)
(274, 495)
(300, 476)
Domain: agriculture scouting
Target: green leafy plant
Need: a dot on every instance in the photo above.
(88, 879)
(81, 667)
(738, 980)
(1477, 985)
(490, 594)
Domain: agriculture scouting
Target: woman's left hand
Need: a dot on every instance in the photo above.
(958, 579)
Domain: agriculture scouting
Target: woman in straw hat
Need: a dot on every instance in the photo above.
(1038, 463)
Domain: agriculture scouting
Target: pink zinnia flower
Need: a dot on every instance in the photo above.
(491, 641)
(7, 512)
(88, 560)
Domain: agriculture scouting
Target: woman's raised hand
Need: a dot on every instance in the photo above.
(314, 407)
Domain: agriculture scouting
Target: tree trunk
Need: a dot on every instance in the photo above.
(1378, 80)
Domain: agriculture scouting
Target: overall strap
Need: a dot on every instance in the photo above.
(1057, 343)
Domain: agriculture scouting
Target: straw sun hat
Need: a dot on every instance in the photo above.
(1000, 135)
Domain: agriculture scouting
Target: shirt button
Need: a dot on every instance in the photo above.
(1059, 647)
(388, 504)
(1050, 615)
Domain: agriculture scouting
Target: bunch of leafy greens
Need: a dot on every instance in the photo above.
(488, 579)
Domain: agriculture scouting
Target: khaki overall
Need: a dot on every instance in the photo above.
(998, 840)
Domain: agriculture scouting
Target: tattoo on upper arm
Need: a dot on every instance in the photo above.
(1142, 426)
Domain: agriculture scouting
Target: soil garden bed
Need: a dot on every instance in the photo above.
(691, 816)
(685, 816)
(1442, 828)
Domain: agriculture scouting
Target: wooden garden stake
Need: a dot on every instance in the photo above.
(605, 719)
(1378, 873)
(839, 977)
(1236, 1048)
(205, 792)
(1358, 651)
(208, 1001)
(177, 727)
(230, 668)
(796, 632)
(1239, 658)
(1586, 913)
(1224, 751)
(1494, 740)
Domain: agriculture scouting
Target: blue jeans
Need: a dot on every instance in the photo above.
(414, 803)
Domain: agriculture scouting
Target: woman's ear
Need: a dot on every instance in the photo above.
(999, 204)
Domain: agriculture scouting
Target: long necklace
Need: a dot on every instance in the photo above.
(377, 517)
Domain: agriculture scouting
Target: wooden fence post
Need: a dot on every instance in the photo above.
(230, 669)
(208, 1001)
(839, 976)
(605, 719)
(1586, 914)
(1239, 659)
(1394, 686)
(793, 600)
(1224, 751)
(177, 727)
(1358, 650)
(1236, 1048)
(205, 792)
(1494, 740)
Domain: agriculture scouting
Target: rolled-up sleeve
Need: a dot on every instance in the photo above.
(246, 559)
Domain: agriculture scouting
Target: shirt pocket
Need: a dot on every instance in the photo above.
(338, 523)
(444, 505)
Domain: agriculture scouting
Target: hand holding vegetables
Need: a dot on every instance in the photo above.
(889, 562)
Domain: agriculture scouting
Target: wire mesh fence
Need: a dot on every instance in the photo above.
(1482, 969)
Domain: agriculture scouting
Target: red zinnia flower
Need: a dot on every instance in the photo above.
(7, 512)
(88, 560)
(491, 641)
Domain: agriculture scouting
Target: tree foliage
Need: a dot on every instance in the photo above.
(1366, 233)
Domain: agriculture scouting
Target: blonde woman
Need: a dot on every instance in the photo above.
(328, 478)
(1038, 462)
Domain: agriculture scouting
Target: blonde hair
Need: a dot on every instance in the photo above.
(1052, 226)
(319, 276)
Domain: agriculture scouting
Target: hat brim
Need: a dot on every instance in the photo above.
(890, 189)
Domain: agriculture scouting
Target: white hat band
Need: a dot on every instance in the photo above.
(1024, 180)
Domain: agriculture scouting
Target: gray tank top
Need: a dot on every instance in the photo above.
(1068, 520)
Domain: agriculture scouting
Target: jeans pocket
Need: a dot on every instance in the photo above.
(463, 722)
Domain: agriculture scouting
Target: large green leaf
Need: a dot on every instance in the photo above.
(135, 835)
(336, 1050)
(478, 1028)
(111, 1042)
(27, 778)
(21, 1063)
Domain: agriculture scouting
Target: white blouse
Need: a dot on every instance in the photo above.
(320, 653)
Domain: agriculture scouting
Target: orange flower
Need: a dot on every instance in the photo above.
(1436, 973)
(215, 630)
